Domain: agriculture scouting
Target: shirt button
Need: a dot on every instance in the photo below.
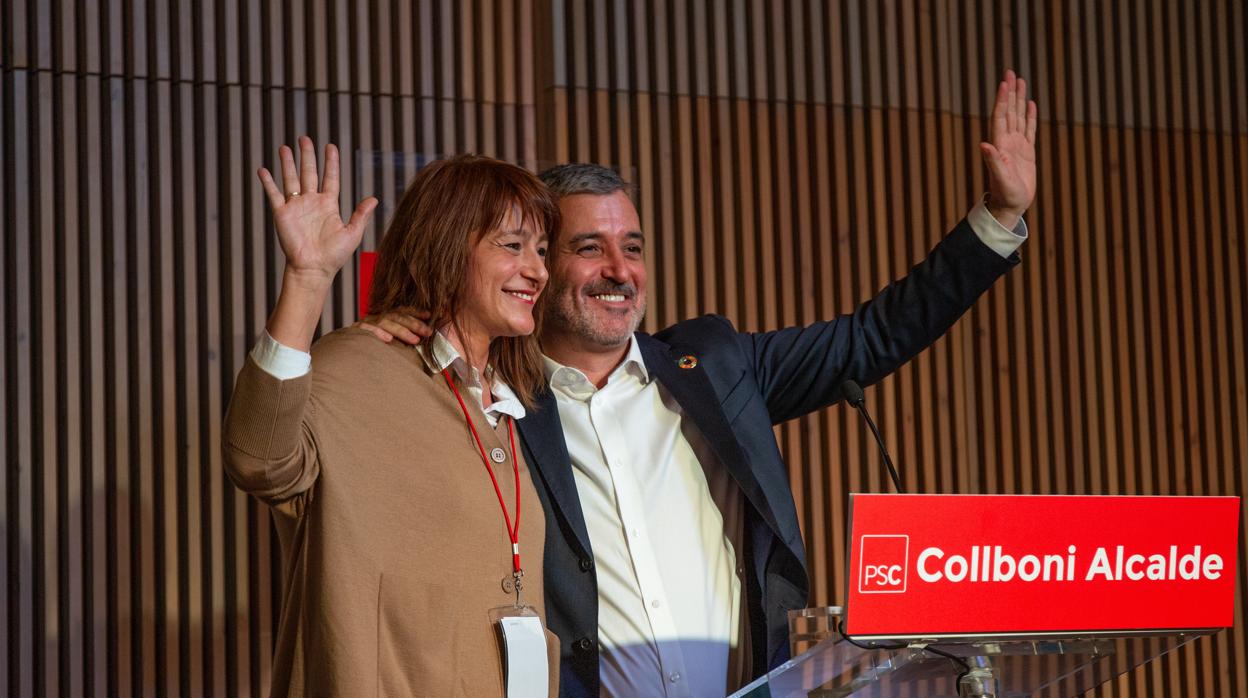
(583, 645)
(655, 604)
(674, 676)
(586, 564)
(633, 532)
(498, 455)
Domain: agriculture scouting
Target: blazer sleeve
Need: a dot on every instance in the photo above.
(268, 445)
(800, 369)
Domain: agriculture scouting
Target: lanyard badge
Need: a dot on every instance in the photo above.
(526, 663)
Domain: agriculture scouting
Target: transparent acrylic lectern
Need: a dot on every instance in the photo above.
(825, 664)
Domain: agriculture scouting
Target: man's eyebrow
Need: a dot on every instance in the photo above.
(597, 236)
(582, 237)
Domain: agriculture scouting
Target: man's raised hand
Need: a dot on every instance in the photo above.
(1010, 153)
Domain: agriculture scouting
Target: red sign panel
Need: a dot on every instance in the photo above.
(368, 262)
(958, 565)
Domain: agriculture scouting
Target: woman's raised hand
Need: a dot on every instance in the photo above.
(309, 221)
(313, 237)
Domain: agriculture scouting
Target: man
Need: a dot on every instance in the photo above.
(673, 551)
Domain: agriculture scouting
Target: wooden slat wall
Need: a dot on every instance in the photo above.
(138, 267)
(791, 158)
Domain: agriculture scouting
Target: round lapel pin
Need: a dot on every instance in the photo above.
(687, 361)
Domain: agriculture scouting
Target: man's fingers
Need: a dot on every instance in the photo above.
(375, 331)
(1011, 105)
(412, 323)
(404, 334)
(270, 188)
(1032, 117)
(999, 109)
(404, 327)
(392, 326)
(1021, 109)
(991, 155)
(307, 165)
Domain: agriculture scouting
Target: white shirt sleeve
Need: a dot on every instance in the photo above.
(279, 360)
(1001, 239)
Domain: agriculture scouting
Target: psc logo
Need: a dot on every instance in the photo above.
(883, 564)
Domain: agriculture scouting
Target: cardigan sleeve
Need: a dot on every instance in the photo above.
(268, 446)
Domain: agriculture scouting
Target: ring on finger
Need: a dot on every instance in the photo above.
(292, 195)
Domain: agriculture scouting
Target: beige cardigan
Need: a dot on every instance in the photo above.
(394, 548)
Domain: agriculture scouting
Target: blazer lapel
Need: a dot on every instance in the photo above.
(693, 391)
(547, 455)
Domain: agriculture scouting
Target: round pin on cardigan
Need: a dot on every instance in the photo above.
(687, 361)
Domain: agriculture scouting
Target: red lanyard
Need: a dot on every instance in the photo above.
(512, 531)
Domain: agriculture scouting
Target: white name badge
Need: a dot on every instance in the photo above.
(528, 673)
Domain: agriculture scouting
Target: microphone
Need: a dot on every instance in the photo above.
(853, 395)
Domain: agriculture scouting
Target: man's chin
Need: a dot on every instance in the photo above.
(606, 330)
(613, 336)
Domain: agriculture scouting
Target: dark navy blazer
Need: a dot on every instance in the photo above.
(742, 385)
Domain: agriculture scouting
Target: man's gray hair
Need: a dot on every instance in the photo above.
(583, 178)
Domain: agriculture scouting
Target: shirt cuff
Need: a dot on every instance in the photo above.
(999, 238)
(279, 360)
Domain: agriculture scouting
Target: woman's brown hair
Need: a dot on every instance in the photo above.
(422, 262)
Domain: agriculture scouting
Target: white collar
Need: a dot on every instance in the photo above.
(440, 354)
(576, 384)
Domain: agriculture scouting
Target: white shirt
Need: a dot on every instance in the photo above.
(284, 363)
(660, 525)
(664, 521)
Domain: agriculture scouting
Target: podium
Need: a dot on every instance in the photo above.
(827, 665)
(1005, 596)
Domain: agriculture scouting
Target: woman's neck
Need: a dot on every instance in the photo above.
(474, 347)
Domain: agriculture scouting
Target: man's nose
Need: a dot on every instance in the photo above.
(616, 267)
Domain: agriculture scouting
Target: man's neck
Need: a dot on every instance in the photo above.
(595, 361)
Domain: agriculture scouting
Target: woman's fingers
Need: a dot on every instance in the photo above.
(307, 166)
(363, 212)
(270, 188)
(303, 178)
(290, 174)
(330, 183)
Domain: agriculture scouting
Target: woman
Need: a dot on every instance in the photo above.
(392, 471)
